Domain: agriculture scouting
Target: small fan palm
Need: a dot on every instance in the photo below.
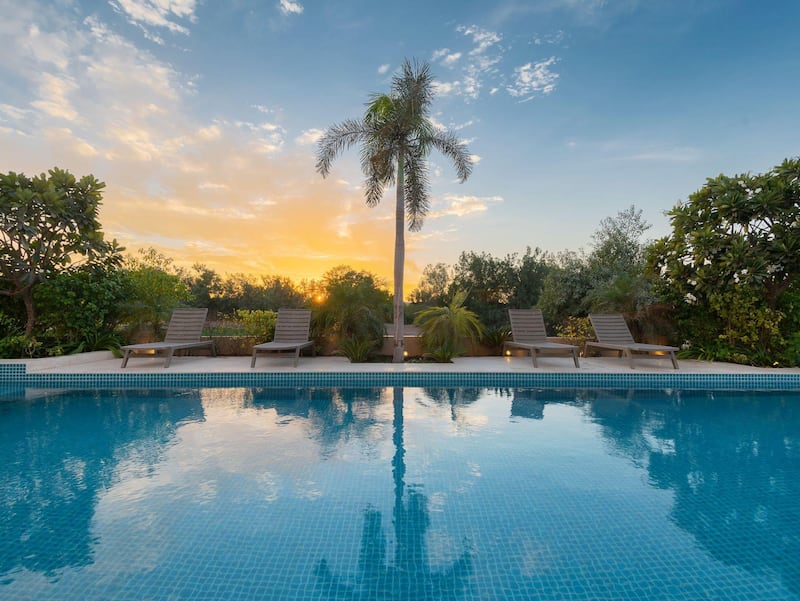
(445, 328)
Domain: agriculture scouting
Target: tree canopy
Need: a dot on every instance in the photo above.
(731, 266)
(48, 226)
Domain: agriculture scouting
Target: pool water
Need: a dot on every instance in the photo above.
(399, 493)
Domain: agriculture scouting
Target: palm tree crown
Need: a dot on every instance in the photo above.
(396, 137)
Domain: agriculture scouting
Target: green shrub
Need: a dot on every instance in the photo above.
(445, 328)
(495, 338)
(258, 323)
(20, 347)
(358, 350)
(80, 311)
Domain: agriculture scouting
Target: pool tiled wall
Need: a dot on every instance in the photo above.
(14, 375)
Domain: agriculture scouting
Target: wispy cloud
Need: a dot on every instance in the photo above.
(288, 7)
(668, 155)
(384, 69)
(483, 67)
(533, 79)
(158, 14)
(309, 137)
(460, 206)
(445, 57)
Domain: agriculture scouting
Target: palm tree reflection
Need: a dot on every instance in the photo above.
(409, 576)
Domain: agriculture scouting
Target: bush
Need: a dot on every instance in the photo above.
(81, 311)
(258, 323)
(576, 331)
(444, 329)
(20, 347)
(358, 350)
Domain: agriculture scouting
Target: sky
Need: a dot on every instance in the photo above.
(202, 118)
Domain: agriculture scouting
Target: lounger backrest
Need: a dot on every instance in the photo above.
(293, 325)
(527, 325)
(186, 325)
(611, 328)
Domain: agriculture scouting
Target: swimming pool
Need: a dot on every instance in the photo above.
(302, 492)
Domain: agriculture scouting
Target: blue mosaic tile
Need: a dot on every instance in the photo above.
(15, 374)
(431, 492)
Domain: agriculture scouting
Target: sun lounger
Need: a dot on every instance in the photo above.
(291, 334)
(184, 331)
(528, 332)
(613, 334)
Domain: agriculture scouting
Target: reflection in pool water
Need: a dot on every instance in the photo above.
(450, 493)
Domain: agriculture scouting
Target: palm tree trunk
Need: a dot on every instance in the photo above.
(399, 261)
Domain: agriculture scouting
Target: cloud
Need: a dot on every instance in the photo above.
(383, 69)
(482, 38)
(460, 206)
(53, 96)
(445, 57)
(309, 137)
(163, 14)
(483, 67)
(288, 7)
(551, 38)
(533, 79)
(668, 155)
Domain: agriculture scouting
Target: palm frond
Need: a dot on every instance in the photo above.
(338, 138)
(416, 189)
(448, 143)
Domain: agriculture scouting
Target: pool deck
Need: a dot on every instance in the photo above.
(103, 362)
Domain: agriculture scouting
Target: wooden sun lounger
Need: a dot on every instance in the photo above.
(528, 332)
(291, 334)
(613, 334)
(184, 331)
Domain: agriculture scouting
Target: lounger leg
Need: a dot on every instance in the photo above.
(674, 360)
(630, 358)
(168, 360)
(575, 357)
(296, 356)
(253, 360)
(125, 358)
(533, 357)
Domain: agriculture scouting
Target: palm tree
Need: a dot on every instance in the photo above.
(396, 137)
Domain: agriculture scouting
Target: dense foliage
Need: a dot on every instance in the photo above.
(731, 265)
(48, 226)
(354, 309)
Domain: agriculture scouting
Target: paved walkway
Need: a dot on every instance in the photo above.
(104, 362)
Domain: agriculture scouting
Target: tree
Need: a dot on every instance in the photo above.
(433, 285)
(731, 266)
(48, 226)
(397, 137)
(616, 269)
(355, 308)
(205, 287)
(157, 288)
